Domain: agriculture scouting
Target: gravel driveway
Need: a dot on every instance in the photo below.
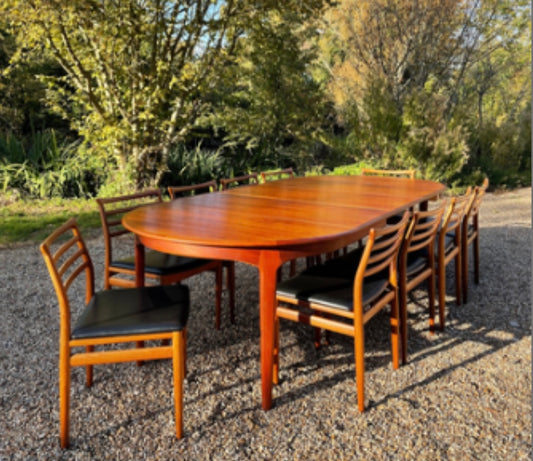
(464, 395)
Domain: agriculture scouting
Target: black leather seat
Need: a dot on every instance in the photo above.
(134, 311)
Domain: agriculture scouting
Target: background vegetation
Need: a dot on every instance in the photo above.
(98, 98)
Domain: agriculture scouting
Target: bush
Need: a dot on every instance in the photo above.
(45, 169)
(192, 166)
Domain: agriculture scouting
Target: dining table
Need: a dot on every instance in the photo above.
(267, 224)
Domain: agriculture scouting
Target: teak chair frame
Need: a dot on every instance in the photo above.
(419, 240)
(65, 264)
(470, 237)
(446, 253)
(123, 276)
(380, 253)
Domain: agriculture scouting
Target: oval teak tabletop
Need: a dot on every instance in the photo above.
(281, 213)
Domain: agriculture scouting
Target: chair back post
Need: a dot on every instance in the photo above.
(476, 204)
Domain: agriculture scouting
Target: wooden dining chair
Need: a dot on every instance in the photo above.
(397, 173)
(160, 267)
(275, 175)
(470, 237)
(176, 192)
(343, 294)
(111, 317)
(448, 249)
(227, 183)
(416, 264)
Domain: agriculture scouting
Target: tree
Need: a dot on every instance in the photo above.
(135, 70)
(22, 111)
(389, 60)
(497, 88)
(270, 104)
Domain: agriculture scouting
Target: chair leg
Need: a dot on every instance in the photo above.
(64, 396)
(178, 365)
(317, 334)
(403, 321)
(458, 278)
(476, 259)
(292, 270)
(431, 300)
(395, 333)
(89, 368)
(107, 284)
(140, 345)
(359, 346)
(442, 293)
(464, 263)
(218, 295)
(230, 285)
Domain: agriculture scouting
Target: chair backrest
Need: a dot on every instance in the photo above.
(421, 232)
(227, 183)
(66, 257)
(381, 253)
(277, 174)
(397, 173)
(453, 217)
(114, 208)
(194, 189)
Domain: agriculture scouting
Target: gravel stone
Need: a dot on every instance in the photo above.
(464, 394)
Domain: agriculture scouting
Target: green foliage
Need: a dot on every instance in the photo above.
(447, 97)
(134, 71)
(434, 146)
(192, 166)
(268, 109)
(22, 110)
(353, 169)
(46, 169)
(138, 75)
(444, 88)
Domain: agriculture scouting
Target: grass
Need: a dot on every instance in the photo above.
(30, 221)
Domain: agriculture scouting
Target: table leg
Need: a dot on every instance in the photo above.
(267, 298)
